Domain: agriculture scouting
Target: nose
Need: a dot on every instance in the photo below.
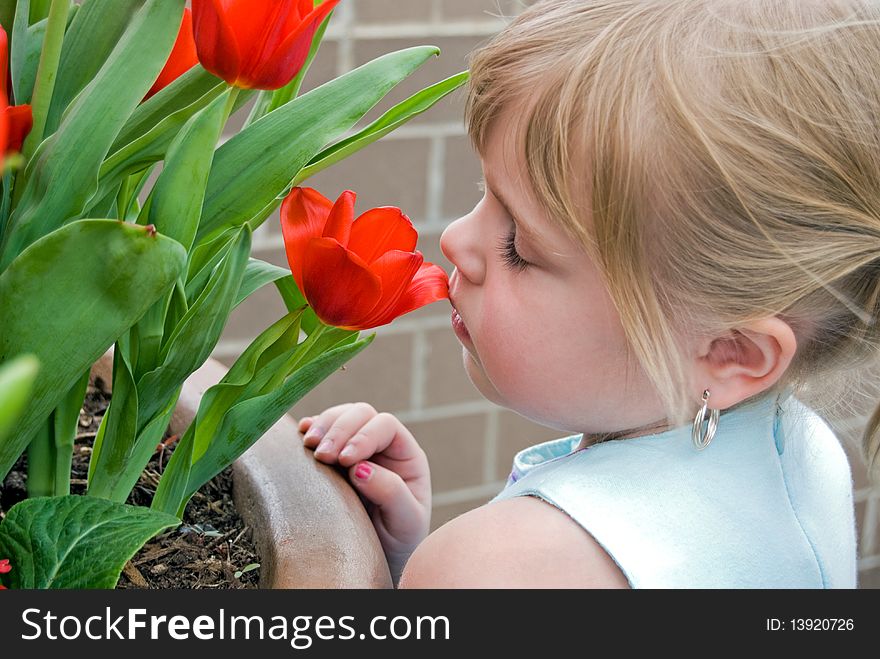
(460, 243)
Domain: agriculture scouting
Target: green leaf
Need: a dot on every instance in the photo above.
(177, 198)
(24, 58)
(183, 92)
(255, 166)
(203, 259)
(248, 420)
(16, 380)
(114, 478)
(62, 176)
(293, 299)
(74, 541)
(192, 341)
(151, 147)
(257, 274)
(67, 309)
(92, 35)
(388, 122)
(118, 430)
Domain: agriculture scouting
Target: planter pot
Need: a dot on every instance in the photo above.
(310, 527)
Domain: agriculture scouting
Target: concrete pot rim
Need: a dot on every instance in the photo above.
(310, 527)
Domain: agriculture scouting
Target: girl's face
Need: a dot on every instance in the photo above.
(539, 332)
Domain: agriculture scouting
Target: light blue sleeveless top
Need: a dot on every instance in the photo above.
(768, 504)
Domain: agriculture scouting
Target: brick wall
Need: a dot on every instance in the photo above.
(414, 368)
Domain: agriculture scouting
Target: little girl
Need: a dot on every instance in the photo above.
(680, 231)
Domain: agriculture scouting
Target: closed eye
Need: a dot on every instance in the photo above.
(507, 250)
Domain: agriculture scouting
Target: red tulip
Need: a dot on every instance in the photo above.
(256, 44)
(182, 58)
(4, 121)
(356, 273)
(17, 120)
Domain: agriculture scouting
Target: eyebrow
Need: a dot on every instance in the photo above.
(524, 228)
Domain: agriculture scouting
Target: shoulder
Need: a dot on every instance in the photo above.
(522, 542)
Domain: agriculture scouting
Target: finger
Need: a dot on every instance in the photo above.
(385, 434)
(304, 424)
(319, 424)
(342, 429)
(401, 512)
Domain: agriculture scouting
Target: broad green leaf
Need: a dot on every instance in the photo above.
(16, 380)
(151, 147)
(24, 57)
(92, 35)
(192, 341)
(248, 420)
(293, 299)
(118, 429)
(171, 490)
(132, 455)
(177, 198)
(62, 176)
(388, 122)
(67, 310)
(186, 90)
(74, 541)
(203, 259)
(244, 379)
(258, 274)
(255, 166)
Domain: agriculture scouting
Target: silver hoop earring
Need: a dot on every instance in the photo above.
(700, 441)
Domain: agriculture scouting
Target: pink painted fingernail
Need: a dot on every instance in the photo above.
(363, 471)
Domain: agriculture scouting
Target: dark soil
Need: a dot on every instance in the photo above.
(207, 550)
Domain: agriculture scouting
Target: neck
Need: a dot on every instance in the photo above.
(589, 439)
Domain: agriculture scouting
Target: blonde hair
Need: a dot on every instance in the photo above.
(740, 139)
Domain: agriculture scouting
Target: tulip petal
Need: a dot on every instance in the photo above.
(19, 120)
(303, 216)
(216, 42)
(306, 7)
(381, 230)
(261, 28)
(3, 67)
(430, 284)
(340, 219)
(395, 270)
(182, 58)
(337, 284)
(288, 57)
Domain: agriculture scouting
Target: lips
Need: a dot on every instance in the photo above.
(458, 325)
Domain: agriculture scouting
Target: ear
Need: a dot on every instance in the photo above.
(744, 362)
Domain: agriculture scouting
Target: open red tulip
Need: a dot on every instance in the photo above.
(258, 44)
(356, 273)
(182, 58)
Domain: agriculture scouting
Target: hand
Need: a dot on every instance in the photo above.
(385, 465)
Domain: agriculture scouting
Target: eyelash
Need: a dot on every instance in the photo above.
(507, 249)
(507, 245)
